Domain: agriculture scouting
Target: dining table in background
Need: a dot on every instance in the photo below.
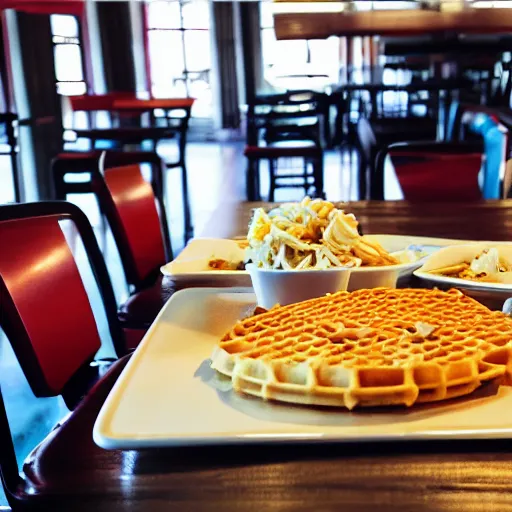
(456, 475)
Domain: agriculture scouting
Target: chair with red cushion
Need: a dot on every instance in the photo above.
(47, 317)
(434, 171)
(136, 214)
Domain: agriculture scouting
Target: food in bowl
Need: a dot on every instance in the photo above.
(313, 234)
(379, 347)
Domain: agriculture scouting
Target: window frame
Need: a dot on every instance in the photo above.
(267, 27)
(80, 43)
(182, 30)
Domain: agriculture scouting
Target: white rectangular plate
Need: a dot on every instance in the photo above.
(168, 395)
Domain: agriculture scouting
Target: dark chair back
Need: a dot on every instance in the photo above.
(367, 149)
(69, 163)
(137, 218)
(282, 116)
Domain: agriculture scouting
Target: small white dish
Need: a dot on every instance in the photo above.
(191, 265)
(456, 254)
(289, 286)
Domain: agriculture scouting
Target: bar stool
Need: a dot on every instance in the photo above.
(312, 174)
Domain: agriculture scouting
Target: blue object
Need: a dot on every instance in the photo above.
(495, 139)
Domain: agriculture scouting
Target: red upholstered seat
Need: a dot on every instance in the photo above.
(438, 176)
(141, 308)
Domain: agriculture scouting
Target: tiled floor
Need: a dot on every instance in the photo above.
(216, 175)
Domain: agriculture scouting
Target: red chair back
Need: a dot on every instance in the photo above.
(425, 176)
(45, 310)
(129, 202)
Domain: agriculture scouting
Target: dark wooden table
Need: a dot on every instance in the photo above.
(481, 220)
(457, 476)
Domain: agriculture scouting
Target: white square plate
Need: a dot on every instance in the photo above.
(167, 395)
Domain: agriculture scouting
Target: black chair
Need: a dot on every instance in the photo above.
(311, 177)
(292, 116)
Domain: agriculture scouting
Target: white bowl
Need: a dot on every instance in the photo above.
(289, 286)
(376, 277)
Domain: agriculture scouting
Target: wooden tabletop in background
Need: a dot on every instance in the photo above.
(457, 476)
(483, 220)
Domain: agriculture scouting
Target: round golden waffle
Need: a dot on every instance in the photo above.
(368, 348)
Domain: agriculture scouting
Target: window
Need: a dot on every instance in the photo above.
(180, 51)
(69, 68)
(298, 63)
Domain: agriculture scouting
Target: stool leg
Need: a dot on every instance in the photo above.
(187, 214)
(252, 180)
(318, 172)
(272, 176)
(306, 185)
(257, 193)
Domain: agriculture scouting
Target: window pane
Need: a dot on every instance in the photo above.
(6, 181)
(164, 14)
(71, 88)
(266, 15)
(63, 25)
(166, 55)
(200, 89)
(291, 53)
(325, 58)
(196, 14)
(197, 50)
(268, 47)
(68, 62)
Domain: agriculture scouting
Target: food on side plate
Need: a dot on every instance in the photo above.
(377, 347)
(242, 243)
(313, 234)
(487, 267)
(221, 264)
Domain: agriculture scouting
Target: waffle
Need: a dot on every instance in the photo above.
(376, 347)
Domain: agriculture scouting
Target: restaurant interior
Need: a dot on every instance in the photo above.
(135, 132)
